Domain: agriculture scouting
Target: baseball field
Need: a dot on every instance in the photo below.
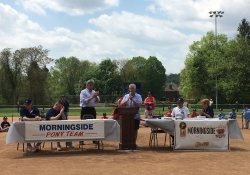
(108, 161)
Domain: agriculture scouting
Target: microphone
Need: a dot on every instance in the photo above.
(131, 95)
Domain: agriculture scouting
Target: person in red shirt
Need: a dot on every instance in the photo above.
(169, 112)
(104, 116)
(149, 106)
(119, 101)
(194, 114)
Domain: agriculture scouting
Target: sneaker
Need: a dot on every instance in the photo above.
(70, 145)
(35, 149)
(59, 148)
(30, 149)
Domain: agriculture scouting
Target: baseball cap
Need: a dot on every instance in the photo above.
(169, 107)
(194, 109)
(221, 109)
(5, 117)
(104, 113)
(42, 111)
(149, 92)
(233, 109)
(63, 96)
(244, 106)
(180, 100)
(27, 101)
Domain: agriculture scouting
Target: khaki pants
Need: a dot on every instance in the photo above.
(246, 123)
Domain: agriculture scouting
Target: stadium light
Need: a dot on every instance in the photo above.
(216, 14)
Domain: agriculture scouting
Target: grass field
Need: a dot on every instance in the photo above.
(76, 111)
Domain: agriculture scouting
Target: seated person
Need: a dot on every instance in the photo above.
(104, 116)
(42, 115)
(169, 111)
(56, 113)
(30, 113)
(194, 114)
(232, 115)
(5, 125)
(221, 114)
(206, 109)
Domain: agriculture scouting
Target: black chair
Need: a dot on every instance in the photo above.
(86, 117)
(20, 119)
(154, 135)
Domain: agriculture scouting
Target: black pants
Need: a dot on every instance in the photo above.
(88, 110)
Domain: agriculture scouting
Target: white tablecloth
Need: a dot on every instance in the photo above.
(167, 125)
(16, 133)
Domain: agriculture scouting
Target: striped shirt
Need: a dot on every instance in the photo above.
(85, 95)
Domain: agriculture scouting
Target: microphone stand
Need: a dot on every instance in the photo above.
(130, 125)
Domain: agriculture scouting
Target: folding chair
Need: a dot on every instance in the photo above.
(90, 116)
(154, 135)
(20, 119)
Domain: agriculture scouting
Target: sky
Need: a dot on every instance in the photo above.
(95, 30)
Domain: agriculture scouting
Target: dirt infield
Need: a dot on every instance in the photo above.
(108, 161)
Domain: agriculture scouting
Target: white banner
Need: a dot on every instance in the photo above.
(64, 130)
(201, 135)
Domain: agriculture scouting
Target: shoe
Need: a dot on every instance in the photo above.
(59, 148)
(35, 149)
(172, 143)
(95, 142)
(30, 149)
(69, 145)
(81, 143)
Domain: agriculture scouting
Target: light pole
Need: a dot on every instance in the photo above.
(216, 14)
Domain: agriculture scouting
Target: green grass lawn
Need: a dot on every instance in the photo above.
(76, 111)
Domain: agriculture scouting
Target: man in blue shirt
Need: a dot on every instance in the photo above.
(56, 113)
(206, 109)
(221, 114)
(30, 113)
(133, 100)
(246, 115)
(232, 114)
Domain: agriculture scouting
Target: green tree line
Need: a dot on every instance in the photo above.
(229, 63)
(24, 73)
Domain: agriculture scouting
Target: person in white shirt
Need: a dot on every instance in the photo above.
(180, 111)
(88, 100)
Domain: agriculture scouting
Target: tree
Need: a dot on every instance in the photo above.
(11, 73)
(65, 76)
(15, 66)
(202, 65)
(173, 78)
(244, 29)
(107, 78)
(155, 76)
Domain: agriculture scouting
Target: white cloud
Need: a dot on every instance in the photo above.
(72, 7)
(151, 8)
(140, 29)
(121, 34)
(193, 14)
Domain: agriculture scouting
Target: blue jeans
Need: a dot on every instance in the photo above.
(66, 115)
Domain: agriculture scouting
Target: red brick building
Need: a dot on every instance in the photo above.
(171, 92)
